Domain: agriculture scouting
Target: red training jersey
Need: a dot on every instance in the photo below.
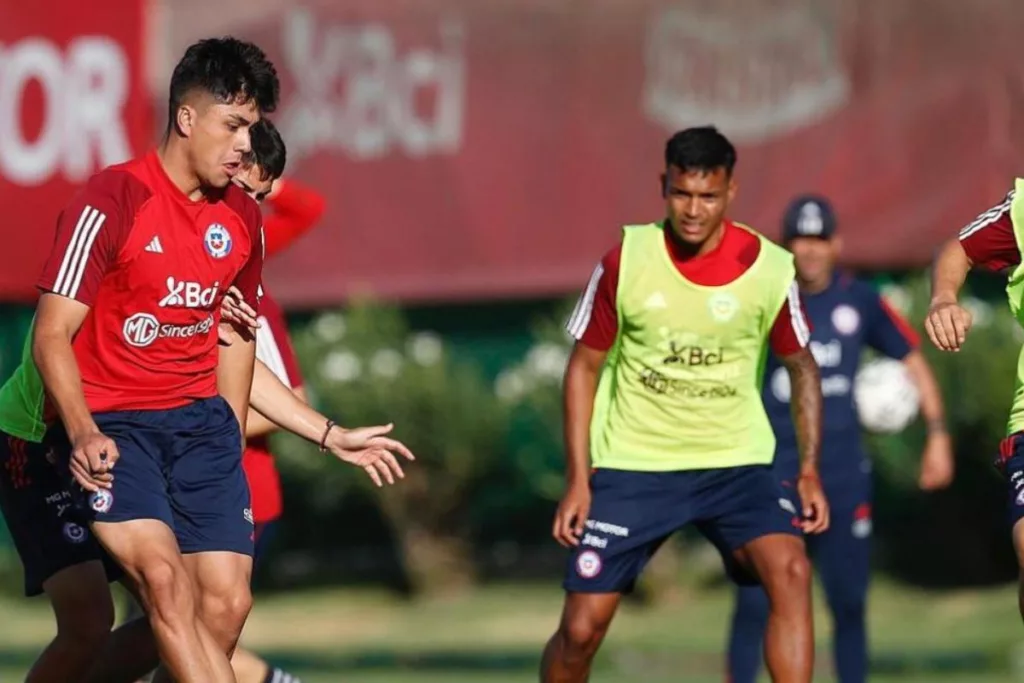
(989, 241)
(274, 348)
(595, 321)
(153, 266)
(296, 209)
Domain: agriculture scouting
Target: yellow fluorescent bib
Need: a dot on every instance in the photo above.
(681, 387)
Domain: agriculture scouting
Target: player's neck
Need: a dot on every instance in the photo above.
(684, 251)
(174, 158)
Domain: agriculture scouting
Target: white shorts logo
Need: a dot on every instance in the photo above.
(141, 329)
(217, 241)
(101, 501)
(74, 533)
(787, 505)
(588, 564)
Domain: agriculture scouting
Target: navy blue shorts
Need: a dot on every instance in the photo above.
(632, 513)
(48, 530)
(1011, 463)
(183, 467)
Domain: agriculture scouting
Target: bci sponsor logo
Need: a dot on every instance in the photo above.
(693, 355)
(357, 91)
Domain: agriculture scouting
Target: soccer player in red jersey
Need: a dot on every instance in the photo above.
(126, 342)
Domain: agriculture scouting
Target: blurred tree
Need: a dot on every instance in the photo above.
(364, 367)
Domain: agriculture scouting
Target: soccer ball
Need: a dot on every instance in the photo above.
(887, 400)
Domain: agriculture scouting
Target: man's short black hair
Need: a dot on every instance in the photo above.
(700, 149)
(268, 149)
(229, 69)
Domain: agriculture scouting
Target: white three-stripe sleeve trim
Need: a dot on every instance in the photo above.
(269, 352)
(580, 318)
(76, 255)
(988, 217)
(796, 316)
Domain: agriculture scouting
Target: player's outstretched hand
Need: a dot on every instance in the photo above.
(234, 309)
(92, 458)
(571, 516)
(947, 325)
(815, 505)
(369, 448)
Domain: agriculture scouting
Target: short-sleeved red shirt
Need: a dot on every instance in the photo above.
(595, 321)
(989, 241)
(153, 266)
(274, 348)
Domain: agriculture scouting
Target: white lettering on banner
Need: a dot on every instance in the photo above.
(755, 78)
(84, 90)
(357, 94)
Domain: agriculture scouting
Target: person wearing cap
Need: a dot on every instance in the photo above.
(846, 314)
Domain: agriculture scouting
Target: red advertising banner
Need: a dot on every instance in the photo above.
(72, 101)
(476, 150)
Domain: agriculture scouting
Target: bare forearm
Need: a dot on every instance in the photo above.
(257, 423)
(277, 403)
(949, 272)
(58, 368)
(806, 410)
(580, 387)
(932, 408)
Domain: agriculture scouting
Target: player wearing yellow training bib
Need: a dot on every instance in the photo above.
(993, 242)
(664, 421)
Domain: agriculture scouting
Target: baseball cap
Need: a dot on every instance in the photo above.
(808, 216)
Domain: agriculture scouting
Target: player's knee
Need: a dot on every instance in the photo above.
(789, 575)
(224, 612)
(581, 636)
(168, 591)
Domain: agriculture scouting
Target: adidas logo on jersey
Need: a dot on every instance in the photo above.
(154, 246)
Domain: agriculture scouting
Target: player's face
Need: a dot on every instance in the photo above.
(252, 182)
(219, 137)
(814, 257)
(696, 202)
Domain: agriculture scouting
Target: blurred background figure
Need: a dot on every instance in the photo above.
(846, 316)
(473, 168)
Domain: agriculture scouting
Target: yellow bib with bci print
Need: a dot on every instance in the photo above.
(681, 387)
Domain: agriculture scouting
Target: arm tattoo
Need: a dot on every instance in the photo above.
(806, 405)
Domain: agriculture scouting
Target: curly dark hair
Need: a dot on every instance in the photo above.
(231, 70)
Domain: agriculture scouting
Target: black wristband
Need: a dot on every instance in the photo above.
(323, 439)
